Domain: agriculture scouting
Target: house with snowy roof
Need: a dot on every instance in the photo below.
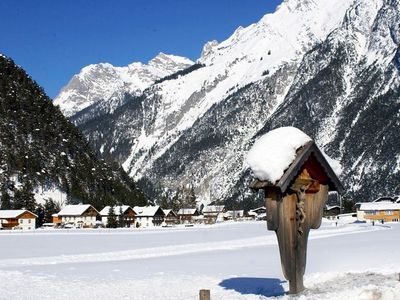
(148, 216)
(171, 217)
(79, 215)
(258, 213)
(17, 219)
(121, 211)
(382, 211)
(188, 215)
(213, 213)
(233, 214)
(331, 210)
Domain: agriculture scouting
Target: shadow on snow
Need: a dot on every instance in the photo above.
(268, 287)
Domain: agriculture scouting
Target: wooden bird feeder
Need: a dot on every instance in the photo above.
(294, 206)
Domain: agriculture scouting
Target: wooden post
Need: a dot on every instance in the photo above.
(205, 295)
(292, 216)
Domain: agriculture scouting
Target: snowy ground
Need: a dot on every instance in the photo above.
(233, 260)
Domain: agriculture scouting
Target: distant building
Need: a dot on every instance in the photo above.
(213, 213)
(148, 216)
(258, 213)
(171, 218)
(79, 216)
(56, 219)
(331, 210)
(384, 211)
(17, 219)
(128, 214)
(188, 215)
(233, 214)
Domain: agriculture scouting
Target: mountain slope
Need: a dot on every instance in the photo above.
(331, 68)
(41, 150)
(103, 83)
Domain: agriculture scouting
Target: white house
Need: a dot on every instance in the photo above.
(17, 219)
(233, 214)
(80, 215)
(148, 216)
(128, 214)
(259, 213)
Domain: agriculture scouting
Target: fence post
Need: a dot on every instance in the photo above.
(205, 295)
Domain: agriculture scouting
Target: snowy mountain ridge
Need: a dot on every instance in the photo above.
(232, 64)
(324, 67)
(100, 82)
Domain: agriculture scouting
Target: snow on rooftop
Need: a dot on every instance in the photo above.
(167, 211)
(186, 211)
(117, 210)
(74, 210)
(11, 213)
(273, 153)
(380, 206)
(213, 208)
(147, 211)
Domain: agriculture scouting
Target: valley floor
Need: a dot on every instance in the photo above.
(233, 260)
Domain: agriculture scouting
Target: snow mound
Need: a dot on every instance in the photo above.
(273, 153)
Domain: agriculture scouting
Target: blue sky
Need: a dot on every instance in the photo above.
(53, 39)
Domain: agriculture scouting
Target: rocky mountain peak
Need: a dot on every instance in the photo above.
(99, 82)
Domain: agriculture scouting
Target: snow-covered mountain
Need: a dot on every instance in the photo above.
(105, 83)
(330, 68)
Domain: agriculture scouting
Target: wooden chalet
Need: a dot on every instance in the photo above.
(384, 211)
(79, 216)
(295, 204)
(188, 215)
(17, 219)
(213, 213)
(171, 218)
(128, 215)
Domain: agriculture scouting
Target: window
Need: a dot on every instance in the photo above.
(389, 212)
(21, 221)
(29, 221)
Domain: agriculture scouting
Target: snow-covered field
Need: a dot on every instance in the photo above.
(233, 260)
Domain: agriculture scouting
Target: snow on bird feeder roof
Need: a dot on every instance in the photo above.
(273, 153)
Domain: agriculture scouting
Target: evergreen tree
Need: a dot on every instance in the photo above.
(112, 218)
(39, 211)
(50, 208)
(121, 221)
(191, 197)
(24, 198)
(176, 202)
(165, 202)
(5, 200)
